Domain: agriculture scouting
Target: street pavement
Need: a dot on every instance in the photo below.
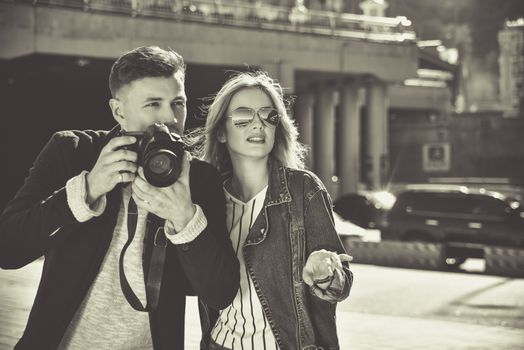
(389, 308)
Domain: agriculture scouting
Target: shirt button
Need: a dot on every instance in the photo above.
(185, 247)
(262, 230)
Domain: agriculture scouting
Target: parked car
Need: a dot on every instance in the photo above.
(347, 229)
(366, 209)
(462, 217)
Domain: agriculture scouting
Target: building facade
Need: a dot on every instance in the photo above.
(511, 65)
(340, 67)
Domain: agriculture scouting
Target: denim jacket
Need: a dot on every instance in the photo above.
(276, 250)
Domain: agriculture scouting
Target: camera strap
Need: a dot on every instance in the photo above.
(156, 262)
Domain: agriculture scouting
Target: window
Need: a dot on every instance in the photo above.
(487, 206)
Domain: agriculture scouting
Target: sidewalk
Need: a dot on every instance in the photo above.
(359, 331)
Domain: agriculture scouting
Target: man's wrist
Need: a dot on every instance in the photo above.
(90, 198)
(77, 199)
(192, 230)
(179, 224)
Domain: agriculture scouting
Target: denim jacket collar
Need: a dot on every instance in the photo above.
(277, 193)
(278, 190)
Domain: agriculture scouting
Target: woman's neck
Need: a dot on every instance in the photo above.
(249, 178)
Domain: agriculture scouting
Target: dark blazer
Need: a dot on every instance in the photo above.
(73, 255)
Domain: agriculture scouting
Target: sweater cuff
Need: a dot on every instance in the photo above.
(76, 199)
(194, 227)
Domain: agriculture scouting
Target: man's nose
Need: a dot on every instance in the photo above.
(167, 116)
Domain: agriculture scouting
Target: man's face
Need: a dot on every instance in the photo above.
(151, 100)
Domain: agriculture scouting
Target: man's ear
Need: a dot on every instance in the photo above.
(116, 109)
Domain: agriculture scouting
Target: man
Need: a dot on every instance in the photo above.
(73, 209)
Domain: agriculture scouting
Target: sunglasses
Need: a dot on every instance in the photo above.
(243, 116)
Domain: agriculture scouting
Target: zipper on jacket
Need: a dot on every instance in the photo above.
(295, 308)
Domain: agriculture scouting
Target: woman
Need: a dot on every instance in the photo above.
(278, 217)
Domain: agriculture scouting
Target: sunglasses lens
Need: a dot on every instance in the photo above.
(269, 116)
(242, 117)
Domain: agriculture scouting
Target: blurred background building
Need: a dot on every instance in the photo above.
(511, 62)
(476, 44)
(386, 92)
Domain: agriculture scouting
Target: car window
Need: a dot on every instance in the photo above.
(452, 203)
(487, 206)
(433, 202)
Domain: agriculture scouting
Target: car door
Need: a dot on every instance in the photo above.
(428, 215)
(493, 219)
(456, 218)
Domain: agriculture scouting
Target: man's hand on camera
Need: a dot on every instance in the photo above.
(171, 203)
(114, 165)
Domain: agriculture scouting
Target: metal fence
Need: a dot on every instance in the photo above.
(258, 14)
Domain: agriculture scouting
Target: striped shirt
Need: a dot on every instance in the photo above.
(243, 325)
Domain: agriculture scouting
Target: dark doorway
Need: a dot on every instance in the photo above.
(43, 94)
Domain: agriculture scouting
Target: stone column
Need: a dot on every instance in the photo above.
(349, 143)
(304, 119)
(283, 72)
(324, 136)
(377, 107)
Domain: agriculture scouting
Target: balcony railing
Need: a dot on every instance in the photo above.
(256, 15)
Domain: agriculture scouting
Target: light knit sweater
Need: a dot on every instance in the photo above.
(105, 320)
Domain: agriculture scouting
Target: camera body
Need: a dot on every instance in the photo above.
(160, 153)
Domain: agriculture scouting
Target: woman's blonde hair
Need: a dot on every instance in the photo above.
(287, 150)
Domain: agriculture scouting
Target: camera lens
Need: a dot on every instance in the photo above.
(161, 163)
(160, 154)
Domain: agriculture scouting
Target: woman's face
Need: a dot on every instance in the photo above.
(250, 138)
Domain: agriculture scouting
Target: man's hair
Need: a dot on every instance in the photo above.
(144, 62)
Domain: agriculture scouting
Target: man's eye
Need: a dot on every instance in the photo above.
(179, 104)
(152, 104)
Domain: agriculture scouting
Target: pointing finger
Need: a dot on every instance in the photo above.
(345, 257)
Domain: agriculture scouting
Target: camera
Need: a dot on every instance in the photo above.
(160, 153)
